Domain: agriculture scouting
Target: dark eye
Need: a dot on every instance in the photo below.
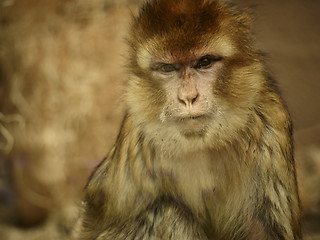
(206, 61)
(167, 68)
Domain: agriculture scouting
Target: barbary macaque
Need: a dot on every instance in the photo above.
(205, 148)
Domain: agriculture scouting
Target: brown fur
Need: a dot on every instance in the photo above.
(234, 178)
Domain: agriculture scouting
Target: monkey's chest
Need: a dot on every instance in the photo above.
(197, 178)
(205, 183)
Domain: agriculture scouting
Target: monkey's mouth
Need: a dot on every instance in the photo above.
(191, 118)
(193, 124)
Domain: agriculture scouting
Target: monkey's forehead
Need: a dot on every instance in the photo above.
(182, 30)
(182, 25)
(188, 17)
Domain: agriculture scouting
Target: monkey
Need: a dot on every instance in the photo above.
(205, 149)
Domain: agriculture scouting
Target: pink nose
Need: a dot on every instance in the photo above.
(188, 94)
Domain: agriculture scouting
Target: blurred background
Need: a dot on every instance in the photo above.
(61, 74)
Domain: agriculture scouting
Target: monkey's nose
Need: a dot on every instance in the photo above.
(188, 98)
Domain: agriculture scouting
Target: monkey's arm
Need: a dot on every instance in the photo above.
(123, 201)
(160, 221)
(278, 207)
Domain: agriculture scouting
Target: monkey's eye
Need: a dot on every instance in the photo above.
(206, 61)
(167, 68)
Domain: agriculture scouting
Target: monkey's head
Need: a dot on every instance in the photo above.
(193, 67)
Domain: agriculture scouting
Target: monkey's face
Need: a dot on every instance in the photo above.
(192, 67)
(182, 87)
(187, 80)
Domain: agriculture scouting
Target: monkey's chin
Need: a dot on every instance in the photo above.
(193, 126)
